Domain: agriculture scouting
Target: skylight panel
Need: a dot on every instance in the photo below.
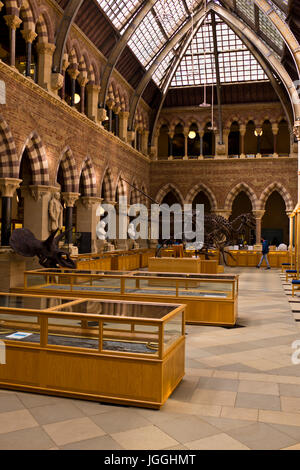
(267, 27)
(246, 7)
(170, 13)
(147, 39)
(161, 69)
(119, 11)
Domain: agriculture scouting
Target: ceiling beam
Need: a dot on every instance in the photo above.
(119, 48)
(159, 58)
(66, 22)
(216, 54)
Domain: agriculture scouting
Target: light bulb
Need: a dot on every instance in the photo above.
(76, 98)
(192, 134)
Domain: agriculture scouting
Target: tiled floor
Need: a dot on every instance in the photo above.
(241, 390)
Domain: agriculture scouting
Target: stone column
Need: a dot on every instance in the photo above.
(13, 22)
(73, 72)
(29, 36)
(291, 242)
(82, 82)
(297, 134)
(36, 208)
(65, 65)
(275, 130)
(69, 199)
(8, 187)
(242, 143)
(201, 134)
(225, 140)
(92, 101)
(145, 135)
(123, 123)
(116, 110)
(186, 134)
(45, 54)
(86, 221)
(258, 214)
(220, 148)
(170, 152)
(258, 131)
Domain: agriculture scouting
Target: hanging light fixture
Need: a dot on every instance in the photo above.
(192, 135)
(204, 104)
(76, 98)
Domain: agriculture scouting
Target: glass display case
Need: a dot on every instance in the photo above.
(115, 351)
(210, 299)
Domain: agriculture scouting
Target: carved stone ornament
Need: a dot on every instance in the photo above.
(57, 81)
(70, 198)
(296, 129)
(90, 201)
(8, 186)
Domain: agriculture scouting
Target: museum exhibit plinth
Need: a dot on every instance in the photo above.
(110, 351)
(210, 299)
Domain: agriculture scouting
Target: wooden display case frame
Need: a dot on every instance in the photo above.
(125, 378)
(199, 310)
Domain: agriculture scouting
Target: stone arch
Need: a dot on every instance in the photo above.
(9, 165)
(276, 186)
(208, 192)
(70, 176)
(120, 187)
(165, 190)
(38, 159)
(88, 176)
(107, 186)
(27, 16)
(44, 28)
(235, 191)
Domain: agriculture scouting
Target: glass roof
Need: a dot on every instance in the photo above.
(196, 68)
(236, 63)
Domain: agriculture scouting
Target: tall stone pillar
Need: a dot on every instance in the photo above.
(45, 54)
(186, 134)
(201, 134)
(242, 142)
(291, 238)
(13, 22)
(170, 146)
(258, 214)
(92, 91)
(36, 209)
(86, 220)
(123, 123)
(297, 134)
(29, 36)
(69, 199)
(73, 72)
(145, 135)
(8, 187)
(225, 140)
(275, 130)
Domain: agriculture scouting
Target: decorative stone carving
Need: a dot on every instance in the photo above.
(102, 115)
(8, 186)
(297, 130)
(1, 5)
(55, 213)
(70, 198)
(89, 201)
(12, 21)
(57, 81)
(28, 35)
(38, 191)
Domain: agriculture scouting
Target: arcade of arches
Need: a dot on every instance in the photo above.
(73, 123)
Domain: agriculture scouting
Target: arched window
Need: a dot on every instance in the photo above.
(275, 222)
(208, 141)
(250, 140)
(178, 141)
(283, 138)
(234, 140)
(164, 148)
(267, 140)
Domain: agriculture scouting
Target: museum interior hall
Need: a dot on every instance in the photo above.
(148, 340)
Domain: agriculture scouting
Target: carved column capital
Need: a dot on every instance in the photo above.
(258, 214)
(92, 88)
(73, 72)
(45, 48)
(102, 114)
(70, 198)
(124, 114)
(222, 212)
(1, 5)
(38, 191)
(90, 201)
(28, 35)
(8, 186)
(12, 21)
(275, 128)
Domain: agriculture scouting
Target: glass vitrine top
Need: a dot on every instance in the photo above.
(30, 303)
(120, 309)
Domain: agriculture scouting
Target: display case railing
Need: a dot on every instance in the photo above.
(210, 298)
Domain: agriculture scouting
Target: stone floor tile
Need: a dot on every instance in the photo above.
(260, 436)
(56, 412)
(10, 402)
(73, 430)
(289, 390)
(16, 420)
(214, 397)
(247, 414)
(120, 420)
(146, 438)
(26, 439)
(264, 388)
(218, 442)
(97, 443)
(279, 417)
(255, 400)
(216, 383)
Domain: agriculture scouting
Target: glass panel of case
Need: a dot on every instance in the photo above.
(173, 330)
